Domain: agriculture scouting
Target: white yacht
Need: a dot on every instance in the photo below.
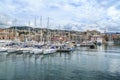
(37, 51)
(49, 51)
(3, 49)
(12, 50)
(3, 44)
(26, 50)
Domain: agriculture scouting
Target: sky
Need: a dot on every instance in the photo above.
(63, 14)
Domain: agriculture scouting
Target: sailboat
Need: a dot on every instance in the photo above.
(26, 47)
(11, 50)
(36, 50)
(3, 48)
(5, 41)
(3, 44)
(12, 46)
(48, 49)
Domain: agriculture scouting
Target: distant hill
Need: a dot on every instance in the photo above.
(21, 27)
(66, 28)
(24, 28)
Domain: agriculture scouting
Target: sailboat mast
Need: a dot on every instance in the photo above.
(48, 29)
(34, 28)
(9, 25)
(35, 22)
(41, 36)
(41, 21)
(6, 31)
(15, 29)
(29, 30)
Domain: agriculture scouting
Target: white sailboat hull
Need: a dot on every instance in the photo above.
(12, 50)
(49, 51)
(37, 51)
(3, 49)
(26, 50)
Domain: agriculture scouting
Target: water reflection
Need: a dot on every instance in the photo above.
(102, 63)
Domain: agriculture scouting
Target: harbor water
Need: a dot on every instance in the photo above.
(102, 63)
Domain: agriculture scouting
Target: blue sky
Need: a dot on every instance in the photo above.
(74, 14)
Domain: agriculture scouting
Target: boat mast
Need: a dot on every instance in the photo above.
(41, 21)
(15, 29)
(41, 29)
(34, 29)
(9, 25)
(29, 30)
(12, 30)
(48, 29)
(59, 35)
(6, 31)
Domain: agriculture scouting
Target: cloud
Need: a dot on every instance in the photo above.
(96, 13)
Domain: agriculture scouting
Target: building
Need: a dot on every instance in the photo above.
(97, 38)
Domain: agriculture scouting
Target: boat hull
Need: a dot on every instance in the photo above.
(3, 50)
(26, 51)
(37, 51)
(11, 51)
(49, 51)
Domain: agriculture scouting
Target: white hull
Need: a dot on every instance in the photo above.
(12, 50)
(31, 52)
(37, 51)
(26, 50)
(49, 51)
(78, 45)
(3, 49)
